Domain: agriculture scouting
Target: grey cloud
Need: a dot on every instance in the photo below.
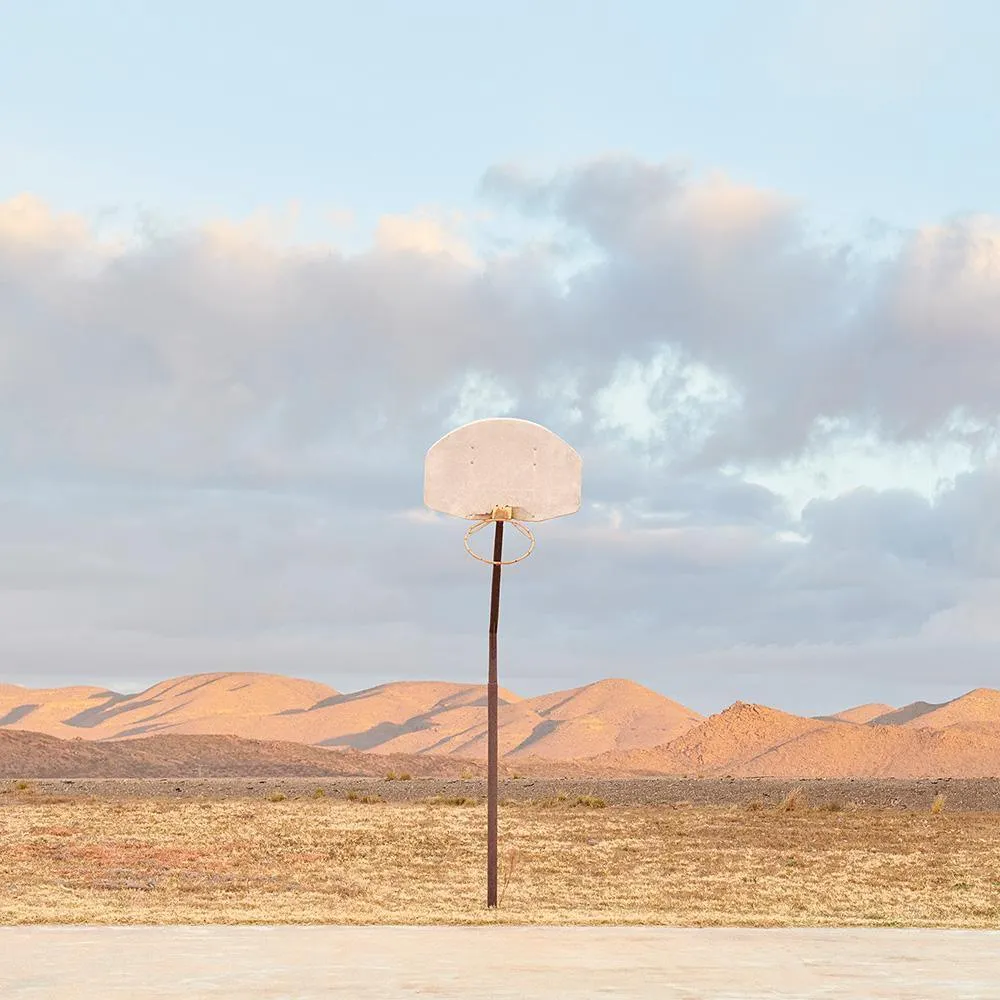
(208, 355)
(210, 442)
(958, 531)
(895, 522)
(805, 331)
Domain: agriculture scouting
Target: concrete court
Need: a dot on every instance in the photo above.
(363, 963)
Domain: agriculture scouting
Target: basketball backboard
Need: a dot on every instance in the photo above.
(502, 462)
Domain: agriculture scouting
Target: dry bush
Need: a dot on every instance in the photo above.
(277, 797)
(590, 801)
(319, 793)
(550, 801)
(792, 801)
(507, 873)
(937, 806)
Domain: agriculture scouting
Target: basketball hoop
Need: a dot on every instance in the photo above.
(523, 528)
(494, 472)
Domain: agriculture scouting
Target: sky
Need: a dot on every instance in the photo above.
(256, 258)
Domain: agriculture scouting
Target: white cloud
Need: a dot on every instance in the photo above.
(426, 232)
(213, 438)
(480, 396)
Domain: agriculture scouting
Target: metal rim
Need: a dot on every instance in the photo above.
(479, 525)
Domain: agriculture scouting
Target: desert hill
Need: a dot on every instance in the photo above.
(728, 739)
(566, 725)
(614, 713)
(612, 726)
(404, 717)
(882, 752)
(860, 713)
(756, 741)
(906, 714)
(35, 755)
(29, 755)
(45, 709)
(981, 706)
(224, 703)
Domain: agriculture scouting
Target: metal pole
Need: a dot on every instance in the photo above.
(492, 700)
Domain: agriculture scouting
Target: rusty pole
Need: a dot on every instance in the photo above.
(492, 701)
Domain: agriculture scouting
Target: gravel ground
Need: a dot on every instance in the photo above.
(961, 794)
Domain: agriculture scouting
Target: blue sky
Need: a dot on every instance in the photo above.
(862, 109)
(255, 257)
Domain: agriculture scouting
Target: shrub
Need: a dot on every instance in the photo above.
(319, 794)
(590, 801)
(553, 800)
(276, 797)
(508, 873)
(938, 804)
(792, 801)
(406, 776)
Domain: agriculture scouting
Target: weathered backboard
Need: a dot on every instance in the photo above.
(502, 462)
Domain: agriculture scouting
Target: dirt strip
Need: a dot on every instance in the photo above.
(960, 794)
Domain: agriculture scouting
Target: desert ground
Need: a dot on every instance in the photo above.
(351, 856)
(981, 795)
(244, 798)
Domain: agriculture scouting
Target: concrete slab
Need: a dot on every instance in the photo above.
(575, 963)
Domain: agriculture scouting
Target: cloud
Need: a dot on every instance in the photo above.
(210, 436)
(810, 337)
(425, 234)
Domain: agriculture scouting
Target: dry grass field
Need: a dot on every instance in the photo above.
(563, 861)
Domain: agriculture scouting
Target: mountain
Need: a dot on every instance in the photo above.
(610, 726)
(721, 742)
(904, 715)
(860, 714)
(45, 709)
(403, 717)
(399, 717)
(606, 715)
(978, 707)
(566, 725)
(958, 739)
(36, 755)
(226, 703)
(882, 752)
